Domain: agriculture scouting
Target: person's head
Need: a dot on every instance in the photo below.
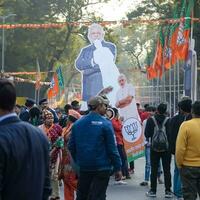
(146, 106)
(43, 103)
(95, 32)
(110, 113)
(162, 108)
(29, 103)
(151, 110)
(98, 104)
(73, 116)
(196, 109)
(116, 112)
(34, 112)
(75, 105)
(67, 107)
(185, 105)
(47, 117)
(7, 96)
(122, 80)
(138, 105)
(17, 109)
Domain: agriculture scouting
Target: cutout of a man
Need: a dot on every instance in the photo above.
(96, 62)
(126, 99)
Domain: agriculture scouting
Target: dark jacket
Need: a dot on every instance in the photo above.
(175, 124)
(24, 161)
(92, 144)
(149, 129)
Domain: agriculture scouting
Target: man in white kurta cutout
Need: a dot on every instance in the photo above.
(96, 62)
(125, 99)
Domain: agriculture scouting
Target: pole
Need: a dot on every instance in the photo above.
(3, 42)
(3, 46)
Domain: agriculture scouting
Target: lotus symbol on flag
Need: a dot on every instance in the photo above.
(131, 129)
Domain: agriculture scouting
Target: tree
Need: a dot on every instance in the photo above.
(50, 46)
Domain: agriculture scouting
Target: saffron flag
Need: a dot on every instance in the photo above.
(170, 40)
(184, 33)
(157, 66)
(54, 87)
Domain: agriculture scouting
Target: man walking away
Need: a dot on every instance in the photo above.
(24, 153)
(93, 148)
(157, 153)
(188, 154)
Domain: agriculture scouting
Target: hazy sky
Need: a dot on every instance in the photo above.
(115, 9)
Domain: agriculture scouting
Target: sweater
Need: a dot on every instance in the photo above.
(187, 144)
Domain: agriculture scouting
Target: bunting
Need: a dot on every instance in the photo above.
(102, 23)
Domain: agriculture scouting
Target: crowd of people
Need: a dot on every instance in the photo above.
(41, 148)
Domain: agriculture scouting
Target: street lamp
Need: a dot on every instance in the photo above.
(3, 40)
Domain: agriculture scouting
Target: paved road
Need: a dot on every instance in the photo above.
(133, 191)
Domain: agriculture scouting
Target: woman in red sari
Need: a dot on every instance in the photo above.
(67, 173)
(54, 134)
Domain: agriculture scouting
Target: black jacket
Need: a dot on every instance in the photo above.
(149, 129)
(24, 161)
(175, 124)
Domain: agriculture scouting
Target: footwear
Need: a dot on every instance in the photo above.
(128, 177)
(123, 178)
(168, 194)
(144, 183)
(151, 193)
(131, 171)
(120, 182)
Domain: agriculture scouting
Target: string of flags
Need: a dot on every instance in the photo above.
(102, 23)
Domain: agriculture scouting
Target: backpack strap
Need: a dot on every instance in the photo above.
(162, 125)
(155, 122)
(164, 122)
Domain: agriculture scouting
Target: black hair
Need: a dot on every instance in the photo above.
(7, 95)
(67, 107)
(162, 108)
(115, 111)
(146, 106)
(34, 112)
(72, 119)
(150, 109)
(196, 108)
(185, 105)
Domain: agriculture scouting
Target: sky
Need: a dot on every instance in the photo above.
(115, 9)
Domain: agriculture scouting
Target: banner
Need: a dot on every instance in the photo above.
(133, 139)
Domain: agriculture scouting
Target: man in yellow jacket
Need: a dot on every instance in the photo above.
(188, 154)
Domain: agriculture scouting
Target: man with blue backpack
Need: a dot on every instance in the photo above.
(157, 129)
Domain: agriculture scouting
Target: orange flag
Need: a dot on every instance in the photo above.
(54, 87)
(183, 35)
(158, 59)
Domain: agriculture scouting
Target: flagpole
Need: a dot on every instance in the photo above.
(174, 104)
(170, 91)
(178, 77)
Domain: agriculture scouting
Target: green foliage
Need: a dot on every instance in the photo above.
(24, 46)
